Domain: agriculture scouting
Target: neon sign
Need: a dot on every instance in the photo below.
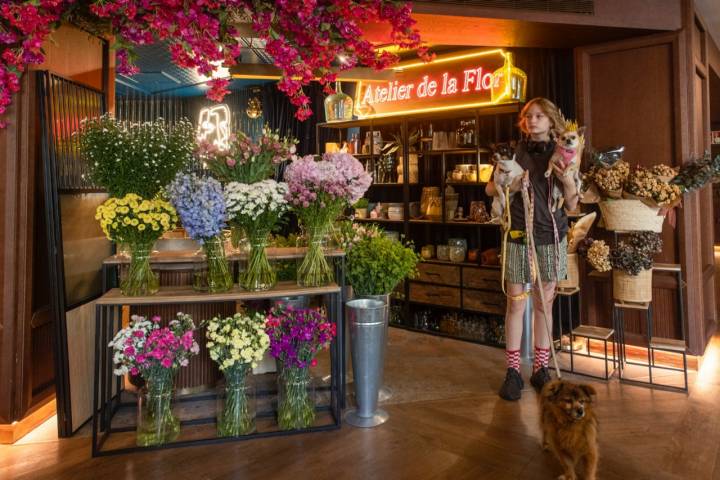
(214, 126)
(456, 81)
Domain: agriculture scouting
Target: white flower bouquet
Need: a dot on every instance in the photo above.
(256, 208)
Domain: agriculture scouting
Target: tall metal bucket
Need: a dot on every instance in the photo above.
(386, 392)
(368, 329)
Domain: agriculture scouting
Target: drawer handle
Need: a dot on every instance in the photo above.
(433, 273)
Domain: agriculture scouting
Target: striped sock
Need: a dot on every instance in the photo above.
(542, 358)
(512, 358)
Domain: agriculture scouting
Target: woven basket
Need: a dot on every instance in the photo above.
(632, 288)
(573, 273)
(630, 216)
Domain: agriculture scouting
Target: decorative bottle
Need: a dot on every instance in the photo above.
(509, 83)
(338, 106)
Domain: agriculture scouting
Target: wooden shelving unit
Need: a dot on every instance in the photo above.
(492, 124)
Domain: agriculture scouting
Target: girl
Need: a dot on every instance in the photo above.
(540, 122)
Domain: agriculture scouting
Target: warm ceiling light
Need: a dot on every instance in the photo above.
(254, 106)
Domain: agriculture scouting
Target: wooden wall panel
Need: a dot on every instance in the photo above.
(81, 359)
(627, 94)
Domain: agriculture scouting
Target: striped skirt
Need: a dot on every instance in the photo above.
(517, 269)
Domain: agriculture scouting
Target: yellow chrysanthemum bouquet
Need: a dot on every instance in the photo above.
(237, 344)
(137, 222)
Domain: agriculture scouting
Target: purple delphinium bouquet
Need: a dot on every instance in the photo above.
(296, 336)
(200, 204)
(318, 192)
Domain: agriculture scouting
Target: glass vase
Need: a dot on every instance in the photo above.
(258, 274)
(296, 398)
(236, 404)
(213, 275)
(140, 280)
(314, 270)
(156, 424)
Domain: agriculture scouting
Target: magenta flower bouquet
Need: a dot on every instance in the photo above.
(155, 353)
(318, 193)
(296, 336)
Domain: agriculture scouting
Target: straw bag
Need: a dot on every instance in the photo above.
(632, 288)
(630, 216)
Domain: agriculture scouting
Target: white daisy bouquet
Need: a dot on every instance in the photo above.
(237, 343)
(256, 208)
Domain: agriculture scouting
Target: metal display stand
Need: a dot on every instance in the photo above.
(113, 405)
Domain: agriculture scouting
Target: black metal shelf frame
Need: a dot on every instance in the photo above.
(107, 391)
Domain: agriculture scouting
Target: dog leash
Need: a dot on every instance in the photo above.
(528, 204)
(507, 220)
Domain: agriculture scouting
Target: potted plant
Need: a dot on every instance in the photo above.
(361, 207)
(377, 265)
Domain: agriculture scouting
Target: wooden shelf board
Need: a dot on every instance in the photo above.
(468, 184)
(190, 256)
(462, 264)
(186, 294)
(378, 220)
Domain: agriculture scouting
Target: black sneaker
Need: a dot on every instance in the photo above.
(539, 378)
(512, 386)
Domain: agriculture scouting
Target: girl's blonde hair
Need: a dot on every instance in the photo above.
(549, 109)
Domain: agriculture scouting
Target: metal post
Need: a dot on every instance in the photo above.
(527, 344)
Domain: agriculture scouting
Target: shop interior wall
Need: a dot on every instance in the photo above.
(627, 95)
(27, 333)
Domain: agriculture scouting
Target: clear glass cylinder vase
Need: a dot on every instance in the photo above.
(156, 423)
(139, 279)
(296, 398)
(257, 273)
(313, 269)
(236, 403)
(212, 274)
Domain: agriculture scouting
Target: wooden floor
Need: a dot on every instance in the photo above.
(446, 421)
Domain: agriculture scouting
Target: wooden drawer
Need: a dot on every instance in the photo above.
(481, 301)
(444, 274)
(435, 294)
(484, 278)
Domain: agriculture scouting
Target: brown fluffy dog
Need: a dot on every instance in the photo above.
(569, 427)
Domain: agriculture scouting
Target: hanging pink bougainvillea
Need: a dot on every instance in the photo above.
(305, 38)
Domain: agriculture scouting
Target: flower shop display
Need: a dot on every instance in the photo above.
(140, 158)
(598, 256)
(155, 353)
(248, 161)
(632, 262)
(296, 337)
(346, 233)
(698, 172)
(200, 205)
(257, 208)
(318, 193)
(139, 223)
(237, 344)
(375, 266)
(649, 187)
(304, 39)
